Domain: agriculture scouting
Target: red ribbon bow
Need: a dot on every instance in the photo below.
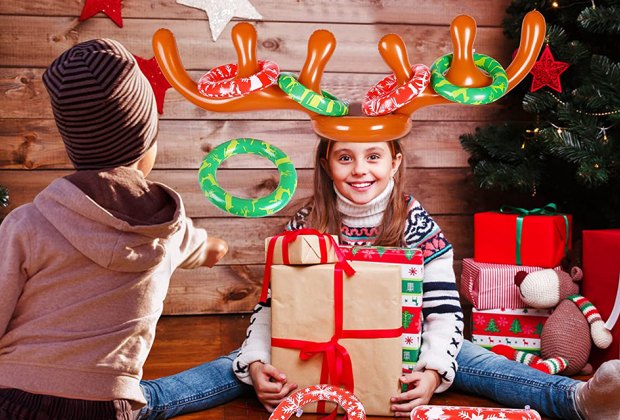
(291, 236)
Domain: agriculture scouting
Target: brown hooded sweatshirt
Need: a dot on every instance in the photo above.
(83, 275)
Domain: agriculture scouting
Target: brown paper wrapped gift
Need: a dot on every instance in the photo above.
(304, 318)
(305, 249)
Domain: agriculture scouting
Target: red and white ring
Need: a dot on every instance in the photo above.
(427, 412)
(387, 95)
(221, 81)
(293, 404)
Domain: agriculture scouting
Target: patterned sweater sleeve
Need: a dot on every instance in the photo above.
(442, 332)
(257, 343)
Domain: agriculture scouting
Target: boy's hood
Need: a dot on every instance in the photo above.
(115, 218)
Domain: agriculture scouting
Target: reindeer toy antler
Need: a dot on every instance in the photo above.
(462, 72)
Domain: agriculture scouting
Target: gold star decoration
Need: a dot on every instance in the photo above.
(220, 12)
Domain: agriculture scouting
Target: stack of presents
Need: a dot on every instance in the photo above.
(513, 240)
(352, 316)
(346, 316)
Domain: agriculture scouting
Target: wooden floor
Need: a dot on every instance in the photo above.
(185, 341)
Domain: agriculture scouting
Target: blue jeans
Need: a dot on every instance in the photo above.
(514, 384)
(195, 389)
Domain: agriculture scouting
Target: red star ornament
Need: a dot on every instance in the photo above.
(112, 8)
(547, 72)
(158, 82)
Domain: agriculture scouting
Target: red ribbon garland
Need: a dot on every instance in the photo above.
(337, 368)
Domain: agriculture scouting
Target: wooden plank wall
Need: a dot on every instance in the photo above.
(34, 32)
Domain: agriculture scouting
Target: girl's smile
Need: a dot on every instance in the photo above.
(361, 171)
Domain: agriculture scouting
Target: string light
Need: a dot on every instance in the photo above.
(593, 114)
(558, 129)
(603, 130)
(555, 4)
(534, 131)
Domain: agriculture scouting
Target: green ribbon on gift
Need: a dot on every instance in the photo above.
(549, 210)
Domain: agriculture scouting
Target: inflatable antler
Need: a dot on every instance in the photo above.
(321, 45)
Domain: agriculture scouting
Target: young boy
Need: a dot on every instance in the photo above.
(86, 266)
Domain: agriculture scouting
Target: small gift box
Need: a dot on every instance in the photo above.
(539, 237)
(329, 328)
(601, 285)
(411, 263)
(303, 246)
(488, 286)
(517, 328)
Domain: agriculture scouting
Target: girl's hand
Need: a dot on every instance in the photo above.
(422, 385)
(270, 385)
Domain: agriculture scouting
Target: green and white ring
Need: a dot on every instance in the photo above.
(325, 104)
(248, 207)
(470, 95)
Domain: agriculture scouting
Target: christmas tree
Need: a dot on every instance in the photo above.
(566, 148)
(539, 328)
(492, 327)
(515, 327)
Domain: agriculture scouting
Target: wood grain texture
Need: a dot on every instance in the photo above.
(441, 191)
(34, 41)
(36, 143)
(337, 11)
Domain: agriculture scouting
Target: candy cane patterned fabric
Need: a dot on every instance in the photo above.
(222, 81)
(436, 412)
(388, 95)
(294, 403)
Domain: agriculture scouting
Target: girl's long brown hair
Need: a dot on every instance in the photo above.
(324, 215)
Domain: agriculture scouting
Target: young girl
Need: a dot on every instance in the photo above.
(358, 194)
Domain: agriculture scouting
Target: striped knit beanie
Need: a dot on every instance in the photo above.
(104, 106)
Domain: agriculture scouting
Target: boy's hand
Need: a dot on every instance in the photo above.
(422, 385)
(216, 249)
(270, 385)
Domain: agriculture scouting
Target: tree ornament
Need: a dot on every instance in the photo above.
(221, 12)
(112, 8)
(158, 82)
(546, 71)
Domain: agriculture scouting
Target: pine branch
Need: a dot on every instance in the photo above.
(505, 177)
(601, 20)
(571, 154)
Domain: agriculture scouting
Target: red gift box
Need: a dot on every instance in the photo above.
(601, 284)
(538, 237)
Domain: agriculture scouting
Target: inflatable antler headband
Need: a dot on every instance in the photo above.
(462, 72)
